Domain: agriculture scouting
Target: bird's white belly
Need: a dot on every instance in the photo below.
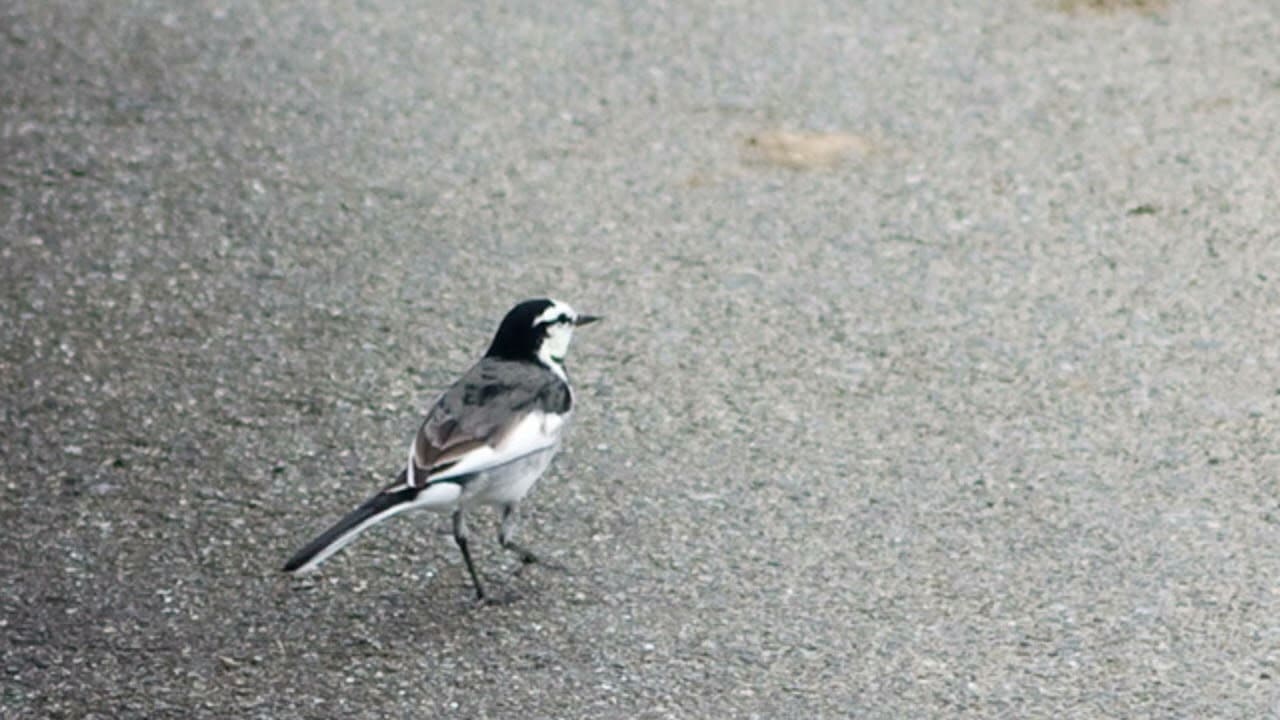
(511, 482)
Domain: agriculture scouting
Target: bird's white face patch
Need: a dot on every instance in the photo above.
(560, 319)
(555, 310)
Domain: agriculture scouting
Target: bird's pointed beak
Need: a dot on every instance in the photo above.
(586, 320)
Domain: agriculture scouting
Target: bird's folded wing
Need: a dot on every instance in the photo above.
(495, 414)
(534, 431)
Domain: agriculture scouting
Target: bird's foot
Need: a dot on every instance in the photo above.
(507, 597)
(528, 558)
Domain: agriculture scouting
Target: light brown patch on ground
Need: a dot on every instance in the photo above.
(803, 150)
(1212, 104)
(1107, 6)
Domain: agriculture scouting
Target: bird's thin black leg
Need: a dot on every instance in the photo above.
(460, 537)
(508, 529)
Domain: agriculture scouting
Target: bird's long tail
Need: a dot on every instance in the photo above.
(389, 502)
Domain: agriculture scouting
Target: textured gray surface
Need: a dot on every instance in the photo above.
(980, 423)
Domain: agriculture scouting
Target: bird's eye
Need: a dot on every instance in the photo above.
(563, 318)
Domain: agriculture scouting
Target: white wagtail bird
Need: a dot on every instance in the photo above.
(486, 440)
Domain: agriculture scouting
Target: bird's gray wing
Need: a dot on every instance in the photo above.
(481, 410)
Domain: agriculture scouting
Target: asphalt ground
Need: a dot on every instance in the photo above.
(939, 377)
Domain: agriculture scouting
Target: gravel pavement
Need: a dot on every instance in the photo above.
(940, 375)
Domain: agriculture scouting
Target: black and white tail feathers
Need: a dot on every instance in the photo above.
(371, 512)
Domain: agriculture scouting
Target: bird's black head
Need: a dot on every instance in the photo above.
(537, 331)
